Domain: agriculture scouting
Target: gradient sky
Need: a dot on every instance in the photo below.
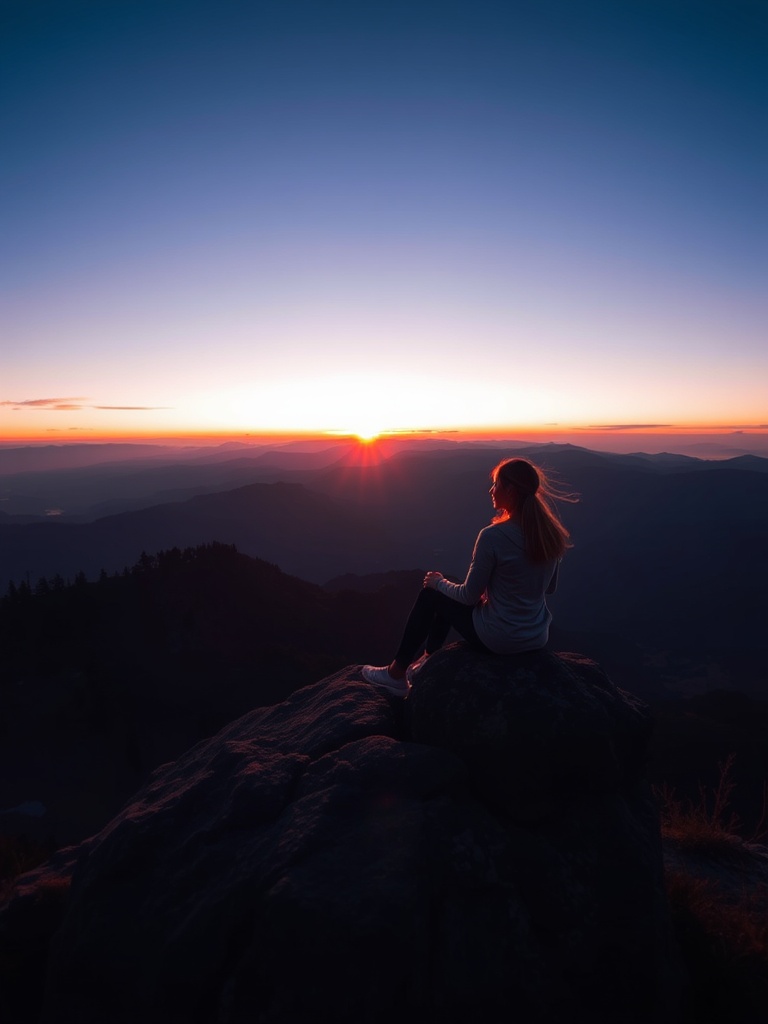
(301, 216)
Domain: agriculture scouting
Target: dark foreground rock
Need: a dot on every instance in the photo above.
(487, 851)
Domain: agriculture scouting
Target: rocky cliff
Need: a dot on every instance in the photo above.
(486, 850)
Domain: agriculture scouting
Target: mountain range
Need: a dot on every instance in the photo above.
(664, 581)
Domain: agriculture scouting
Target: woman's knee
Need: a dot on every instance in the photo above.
(428, 597)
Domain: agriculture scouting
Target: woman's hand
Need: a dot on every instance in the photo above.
(432, 579)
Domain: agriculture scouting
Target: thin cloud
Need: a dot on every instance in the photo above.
(76, 405)
(426, 430)
(729, 428)
(58, 404)
(628, 426)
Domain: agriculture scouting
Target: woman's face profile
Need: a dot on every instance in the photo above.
(501, 496)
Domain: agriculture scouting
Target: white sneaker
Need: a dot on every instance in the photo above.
(414, 668)
(380, 677)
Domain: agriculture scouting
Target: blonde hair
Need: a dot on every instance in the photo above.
(544, 535)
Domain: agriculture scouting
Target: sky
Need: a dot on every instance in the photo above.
(296, 217)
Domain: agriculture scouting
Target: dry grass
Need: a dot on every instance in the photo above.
(707, 825)
(737, 929)
(722, 932)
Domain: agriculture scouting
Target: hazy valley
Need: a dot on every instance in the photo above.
(663, 584)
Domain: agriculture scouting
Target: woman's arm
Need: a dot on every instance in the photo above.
(478, 575)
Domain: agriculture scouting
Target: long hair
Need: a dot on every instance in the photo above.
(544, 535)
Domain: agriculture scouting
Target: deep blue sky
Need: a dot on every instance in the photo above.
(324, 215)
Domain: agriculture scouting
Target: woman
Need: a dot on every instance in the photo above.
(501, 606)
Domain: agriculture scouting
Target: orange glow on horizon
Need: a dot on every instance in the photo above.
(578, 434)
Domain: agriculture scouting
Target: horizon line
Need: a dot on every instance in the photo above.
(497, 432)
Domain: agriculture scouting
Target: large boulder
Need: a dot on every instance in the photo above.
(486, 850)
(537, 731)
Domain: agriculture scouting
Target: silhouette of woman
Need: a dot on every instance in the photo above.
(501, 606)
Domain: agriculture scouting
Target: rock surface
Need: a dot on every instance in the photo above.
(486, 850)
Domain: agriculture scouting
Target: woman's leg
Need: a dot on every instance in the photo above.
(432, 616)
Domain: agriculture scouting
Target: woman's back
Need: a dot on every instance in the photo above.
(514, 615)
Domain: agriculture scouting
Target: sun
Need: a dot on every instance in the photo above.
(367, 435)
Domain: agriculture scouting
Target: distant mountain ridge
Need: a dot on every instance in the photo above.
(666, 561)
(97, 481)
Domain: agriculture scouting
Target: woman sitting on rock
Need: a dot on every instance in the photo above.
(501, 606)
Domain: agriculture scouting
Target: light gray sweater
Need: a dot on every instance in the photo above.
(508, 591)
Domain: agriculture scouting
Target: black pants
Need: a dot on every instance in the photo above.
(432, 616)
